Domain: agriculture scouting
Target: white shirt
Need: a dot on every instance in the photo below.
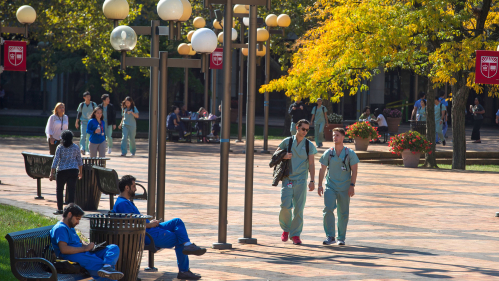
(382, 121)
(55, 126)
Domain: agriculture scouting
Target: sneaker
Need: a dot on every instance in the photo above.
(187, 134)
(123, 155)
(133, 154)
(296, 240)
(443, 142)
(188, 275)
(329, 241)
(82, 152)
(210, 136)
(58, 212)
(437, 142)
(109, 272)
(285, 236)
(340, 243)
(192, 249)
(108, 150)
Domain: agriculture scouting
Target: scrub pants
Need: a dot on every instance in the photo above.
(109, 136)
(170, 234)
(293, 128)
(84, 137)
(444, 131)
(440, 134)
(336, 199)
(293, 197)
(319, 133)
(128, 135)
(93, 261)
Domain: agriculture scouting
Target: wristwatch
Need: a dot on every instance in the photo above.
(352, 184)
(311, 181)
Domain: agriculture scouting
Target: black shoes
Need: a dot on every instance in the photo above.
(188, 275)
(110, 273)
(192, 249)
(58, 212)
(443, 142)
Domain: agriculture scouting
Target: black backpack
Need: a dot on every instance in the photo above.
(291, 144)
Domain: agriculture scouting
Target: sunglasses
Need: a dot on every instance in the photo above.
(305, 130)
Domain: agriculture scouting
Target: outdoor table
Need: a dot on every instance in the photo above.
(205, 125)
(128, 232)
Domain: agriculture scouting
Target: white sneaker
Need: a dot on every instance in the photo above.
(108, 150)
(340, 243)
(210, 136)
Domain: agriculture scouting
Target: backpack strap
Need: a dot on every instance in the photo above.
(290, 143)
(307, 146)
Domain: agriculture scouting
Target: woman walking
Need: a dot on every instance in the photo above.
(421, 111)
(478, 112)
(96, 129)
(109, 114)
(57, 123)
(128, 125)
(319, 114)
(68, 163)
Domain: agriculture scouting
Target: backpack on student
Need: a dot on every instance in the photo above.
(322, 110)
(331, 155)
(291, 144)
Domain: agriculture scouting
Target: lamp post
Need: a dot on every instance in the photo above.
(186, 51)
(271, 21)
(240, 11)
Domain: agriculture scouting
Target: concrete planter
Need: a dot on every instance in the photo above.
(361, 144)
(393, 124)
(328, 131)
(410, 159)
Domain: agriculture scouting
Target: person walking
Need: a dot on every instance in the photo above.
(128, 125)
(298, 112)
(109, 114)
(478, 111)
(440, 110)
(319, 113)
(68, 163)
(57, 123)
(442, 100)
(84, 110)
(421, 116)
(342, 165)
(293, 192)
(96, 128)
(417, 105)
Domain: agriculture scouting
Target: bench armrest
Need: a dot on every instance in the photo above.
(143, 195)
(53, 276)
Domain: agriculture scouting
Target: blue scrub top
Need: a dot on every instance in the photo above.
(438, 112)
(299, 161)
(93, 124)
(104, 113)
(171, 123)
(125, 206)
(63, 233)
(337, 178)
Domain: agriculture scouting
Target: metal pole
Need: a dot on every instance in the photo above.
(241, 87)
(206, 81)
(214, 92)
(160, 207)
(266, 102)
(186, 86)
(153, 122)
(225, 133)
(250, 131)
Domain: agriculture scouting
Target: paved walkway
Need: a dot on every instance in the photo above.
(405, 224)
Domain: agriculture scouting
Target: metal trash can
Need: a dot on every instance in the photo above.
(418, 126)
(87, 193)
(128, 232)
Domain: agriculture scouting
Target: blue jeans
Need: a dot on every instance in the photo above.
(171, 234)
(93, 261)
(84, 137)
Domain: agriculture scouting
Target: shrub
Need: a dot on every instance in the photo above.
(362, 130)
(334, 118)
(392, 113)
(412, 141)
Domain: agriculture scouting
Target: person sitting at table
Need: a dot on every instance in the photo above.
(381, 121)
(173, 123)
(366, 114)
(183, 112)
(215, 128)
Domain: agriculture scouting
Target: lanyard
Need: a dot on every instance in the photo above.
(61, 119)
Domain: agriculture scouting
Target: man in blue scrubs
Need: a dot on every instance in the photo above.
(67, 245)
(167, 234)
(294, 187)
(342, 164)
(442, 100)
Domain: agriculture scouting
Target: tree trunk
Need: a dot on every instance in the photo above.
(287, 118)
(459, 98)
(430, 158)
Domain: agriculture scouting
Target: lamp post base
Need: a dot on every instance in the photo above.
(247, 240)
(497, 214)
(239, 141)
(151, 269)
(221, 246)
(39, 198)
(265, 151)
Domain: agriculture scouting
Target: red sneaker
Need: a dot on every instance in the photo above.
(284, 236)
(296, 240)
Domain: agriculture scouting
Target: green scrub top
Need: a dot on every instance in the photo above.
(128, 118)
(438, 112)
(319, 114)
(104, 114)
(299, 162)
(86, 110)
(337, 178)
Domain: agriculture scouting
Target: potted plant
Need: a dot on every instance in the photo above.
(233, 111)
(393, 118)
(334, 121)
(362, 133)
(410, 145)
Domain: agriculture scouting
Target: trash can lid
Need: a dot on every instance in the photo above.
(117, 216)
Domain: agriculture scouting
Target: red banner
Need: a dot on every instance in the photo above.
(15, 56)
(217, 59)
(487, 67)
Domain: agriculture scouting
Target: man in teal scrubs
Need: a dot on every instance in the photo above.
(294, 187)
(84, 112)
(319, 115)
(342, 164)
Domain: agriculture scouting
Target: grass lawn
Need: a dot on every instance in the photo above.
(13, 219)
(483, 168)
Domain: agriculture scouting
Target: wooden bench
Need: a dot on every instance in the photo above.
(38, 166)
(32, 256)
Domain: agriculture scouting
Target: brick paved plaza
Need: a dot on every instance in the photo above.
(405, 224)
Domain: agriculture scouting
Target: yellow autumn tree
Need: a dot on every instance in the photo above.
(433, 38)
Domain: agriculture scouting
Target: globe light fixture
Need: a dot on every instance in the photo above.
(217, 25)
(233, 23)
(283, 20)
(204, 40)
(240, 9)
(115, 9)
(191, 52)
(246, 21)
(26, 14)
(245, 51)
(247, 7)
(262, 52)
(199, 22)
(174, 10)
(189, 35)
(123, 38)
(183, 49)
(233, 36)
(262, 35)
(271, 20)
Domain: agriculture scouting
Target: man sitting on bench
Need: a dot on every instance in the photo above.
(167, 234)
(67, 245)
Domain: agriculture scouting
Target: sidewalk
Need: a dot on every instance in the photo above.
(405, 224)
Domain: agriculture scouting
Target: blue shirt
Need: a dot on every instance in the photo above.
(443, 101)
(67, 158)
(417, 104)
(63, 233)
(171, 119)
(93, 124)
(129, 119)
(125, 206)
(497, 114)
